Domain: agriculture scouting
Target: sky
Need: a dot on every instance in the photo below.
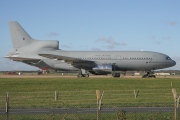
(88, 25)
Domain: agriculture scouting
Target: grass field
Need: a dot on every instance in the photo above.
(81, 92)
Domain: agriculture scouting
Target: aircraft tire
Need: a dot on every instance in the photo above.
(87, 75)
(79, 75)
(116, 75)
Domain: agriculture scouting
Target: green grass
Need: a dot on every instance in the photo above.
(81, 92)
(82, 84)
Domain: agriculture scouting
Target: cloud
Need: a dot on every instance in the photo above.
(172, 23)
(154, 40)
(166, 38)
(52, 34)
(65, 46)
(111, 43)
(122, 44)
(160, 40)
(96, 49)
(110, 47)
(153, 37)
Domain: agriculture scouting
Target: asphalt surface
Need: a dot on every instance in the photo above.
(87, 110)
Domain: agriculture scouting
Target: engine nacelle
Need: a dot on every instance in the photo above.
(102, 69)
(40, 45)
(46, 44)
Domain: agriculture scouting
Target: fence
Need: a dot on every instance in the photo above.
(156, 104)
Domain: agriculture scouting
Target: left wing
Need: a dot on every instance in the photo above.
(76, 62)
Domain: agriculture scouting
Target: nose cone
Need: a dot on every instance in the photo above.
(173, 63)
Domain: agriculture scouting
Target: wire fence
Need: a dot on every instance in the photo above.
(156, 104)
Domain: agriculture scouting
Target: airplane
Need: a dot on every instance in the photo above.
(47, 54)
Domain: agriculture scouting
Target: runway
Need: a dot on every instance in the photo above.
(87, 110)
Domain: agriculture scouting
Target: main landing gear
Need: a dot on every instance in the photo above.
(149, 74)
(114, 72)
(83, 73)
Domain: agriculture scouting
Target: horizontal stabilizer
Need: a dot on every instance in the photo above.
(21, 59)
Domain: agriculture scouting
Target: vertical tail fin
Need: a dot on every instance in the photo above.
(19, 36)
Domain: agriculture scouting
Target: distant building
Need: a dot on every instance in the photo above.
(162, 74)
(135, 74)
(173, 73)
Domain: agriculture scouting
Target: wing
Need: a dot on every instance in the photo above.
(78, 63)
(24, 60)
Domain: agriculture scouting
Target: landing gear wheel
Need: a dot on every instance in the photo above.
(79, 75)
(87, 75)
(116, 74)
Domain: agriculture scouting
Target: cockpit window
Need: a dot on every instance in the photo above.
(168, 58)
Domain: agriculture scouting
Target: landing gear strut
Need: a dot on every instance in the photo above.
(114, 73)
(149, 74)
(83, 73)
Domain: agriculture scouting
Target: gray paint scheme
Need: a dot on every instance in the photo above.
(103, 60)
(45, 54)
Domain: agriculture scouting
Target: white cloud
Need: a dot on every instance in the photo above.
(65, 46)
(172, 23)
(96, 49)
(166, 38)
(159, 41)
(52, 34)
(111, 43)
(122, 44)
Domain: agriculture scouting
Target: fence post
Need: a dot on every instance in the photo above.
(6, 104)
(99, 98)
(136, 93)
(55, 96)
(176, 103)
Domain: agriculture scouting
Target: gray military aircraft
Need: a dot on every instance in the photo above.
(46, 54)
